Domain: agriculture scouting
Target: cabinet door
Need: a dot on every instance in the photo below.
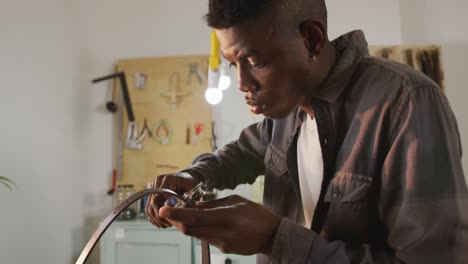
(127, 245)
(218, 257)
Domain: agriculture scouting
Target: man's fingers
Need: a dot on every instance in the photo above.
(152, 213)
(158, 200)
(226, 201)
(152, 217)
(192, 217)
(158, 180)
(155, 210)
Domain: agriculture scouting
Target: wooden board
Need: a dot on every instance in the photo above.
(166, 78)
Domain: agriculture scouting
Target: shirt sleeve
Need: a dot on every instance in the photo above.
(422, 203)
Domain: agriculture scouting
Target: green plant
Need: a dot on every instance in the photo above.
(7, 182)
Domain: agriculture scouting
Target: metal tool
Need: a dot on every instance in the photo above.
(187, 200)
(193, 70)
(132, 130)
(145, 132)
(162, 132)
(140, 80)
(193, 196)
(198, 129)
(187, 134)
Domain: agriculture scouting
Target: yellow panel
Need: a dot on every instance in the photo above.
(155, 103)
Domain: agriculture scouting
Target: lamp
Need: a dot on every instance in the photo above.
(224, 79)
(213, 93)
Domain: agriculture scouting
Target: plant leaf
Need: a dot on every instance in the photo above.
(5, 179)
(7, 182)
(6, 185)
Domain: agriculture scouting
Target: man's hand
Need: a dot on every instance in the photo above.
(232, 224)
(180, 183)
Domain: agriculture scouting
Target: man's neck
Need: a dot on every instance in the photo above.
(326, 61)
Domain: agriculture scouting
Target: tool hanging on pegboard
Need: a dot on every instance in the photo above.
(132, 130)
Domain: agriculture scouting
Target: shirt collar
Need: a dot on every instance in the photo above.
(350, 49)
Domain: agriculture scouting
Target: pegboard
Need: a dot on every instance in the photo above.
(169, 93)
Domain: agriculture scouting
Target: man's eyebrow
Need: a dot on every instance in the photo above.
(248, 53)
(243, 55)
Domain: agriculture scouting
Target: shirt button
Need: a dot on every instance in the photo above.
(336, 194)
(270, 163)
(325, 141)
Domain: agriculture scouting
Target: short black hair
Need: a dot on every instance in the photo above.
(228, 13)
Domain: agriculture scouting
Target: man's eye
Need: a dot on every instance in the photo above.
(256, 65)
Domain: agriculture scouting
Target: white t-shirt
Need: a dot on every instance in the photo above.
(310, 168)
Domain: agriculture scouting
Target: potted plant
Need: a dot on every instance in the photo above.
(7, 182)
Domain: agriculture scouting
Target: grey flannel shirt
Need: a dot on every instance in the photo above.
(393, 188)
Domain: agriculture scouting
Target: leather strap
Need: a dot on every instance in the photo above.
(205, 252)
(119, 209)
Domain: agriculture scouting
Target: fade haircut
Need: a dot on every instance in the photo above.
(228, 13)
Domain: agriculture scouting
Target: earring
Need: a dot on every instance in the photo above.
(313, 56)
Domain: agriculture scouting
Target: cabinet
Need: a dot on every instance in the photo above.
(218, 257)
(139, 242)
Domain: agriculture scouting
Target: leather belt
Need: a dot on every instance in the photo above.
(119, 209)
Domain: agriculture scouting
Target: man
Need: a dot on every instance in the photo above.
(361, 156)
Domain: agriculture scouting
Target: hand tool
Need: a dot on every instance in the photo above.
(140, 80)
(187, 134)
(132, 129)
(145, 132)
(162, 132)
(198, 129)
(114, 181)
(193, 70)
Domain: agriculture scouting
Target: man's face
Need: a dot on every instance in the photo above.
(273, 68)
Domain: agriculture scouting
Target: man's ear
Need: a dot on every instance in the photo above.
(313, 33)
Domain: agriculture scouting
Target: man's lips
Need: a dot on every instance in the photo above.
(256, 107)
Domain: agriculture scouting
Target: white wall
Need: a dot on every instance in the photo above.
(443, 23)
(380, 19)
(40, 142)
(56, 141)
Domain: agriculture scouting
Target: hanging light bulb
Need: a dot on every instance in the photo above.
(224, 79)
(213, 94)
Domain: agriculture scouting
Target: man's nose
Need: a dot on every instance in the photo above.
(246, 81)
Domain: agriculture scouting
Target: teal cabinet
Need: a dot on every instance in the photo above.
(218, 257)
(139, 242)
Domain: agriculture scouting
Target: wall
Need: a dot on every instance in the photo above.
(40, 142)
(56, 139)
(380, 19)
(443, 23)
